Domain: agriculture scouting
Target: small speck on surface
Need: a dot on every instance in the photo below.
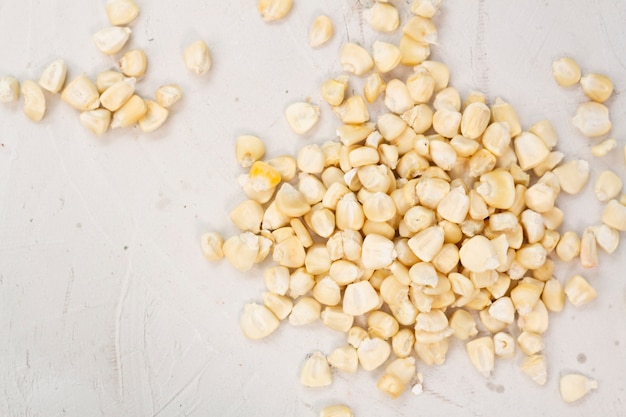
(581, 358)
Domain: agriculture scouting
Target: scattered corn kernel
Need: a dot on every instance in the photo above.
(53, 77)
(578, 291)
(133, 63)
(321, 31)
(82, 94)
(34, 100)
(383, 17)
(592, 119)
(257, 321)
(153, 118)
(130, 113)
(566, 72)
(168, 95)
(302, 116)
(336, 411)
(573, 387)
(355, 59)
(272, 10)
(111, 40)
(116, 95)
(608, 185)
(106, 79)
(481, 353)
(97, 121)
(121, 12)
(572, 175)
(316, 371)
(597, 87)
(9, 89)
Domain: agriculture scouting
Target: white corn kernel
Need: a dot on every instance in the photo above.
(374, 87)
(588, 249)
(501, 111)
(289, 253)
(258, 321)
(211, 246)
(316, 371)
(248, 149)
(97, 121)
(382, 325)
(614, 215)
(373, 352)
(604, 147)
(536, 368)
(359, 298)
(578, 291)
(305, 311)
(290, 201)
(607, 238)
(272, 10)
(121, 12)
(326, 291)
(382, 17)
(425, 8)
(402, 343)
(608, 185)
(420, 118)
(421, 85)
(391, 385)
(379, 207)
(497, 188)
(481, 353)
(82, 94)
(531, 151)
(355, 336)
(568, 247)
(116, 95)
(336, 411)
(9, 89)
(478, 254)
(386, 56)
(241, 250)
(34, 100)
(403, 368)
(427, 243)
(439, 71)
(421, 29)
(597, 87)
(130, 113)
(53, 77)
(502, 309)
(448, 98)
(321, 31)
(497, 138)
(111, 40)
(572, 175)
(345, 358)
(475, 120)
(573, 387)
(133, 63)
(197, 58)
(544, 130)
(553, 295)
(168, 95)
(566, 72)
(106, 79)
(377, 252)
(285, 165)
(454, 206)
(397, 97)
(279, 305)
(353, 110)
(463, 324)
(333, 90)
(336, 319)
(446, 123)
(276, 279)
(525, 297)
(355, 59)
(504, 345)
(302, 116)
(592, 119)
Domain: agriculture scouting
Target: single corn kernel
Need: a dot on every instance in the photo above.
(608, 185)
(111, 40)
(478, 254)
(535, 367)
(53, 77)
(421, 29)
(525, 297)
(475, 120)
(336, 319)
(279, 305)
(9, 89)
(446, 123)
(305, 311)
(425, 8)
(614, 215)
(391, 385)
(568, 247)
(302, 116)
(382, 17)
(121, 12)
(592, 119)
(545, 131)
(154, 117)
(285, 165)
(463, 324)
(588, 249)
(531, 151)
(501, 111)
(481, 353)
(197, 57)
(497, 138)
(566, 72)
(316, 371)
(133, 63)
(604, 147)
(386, 55)
(333, 90)
(353, 110)
(130, 113)
(373, 352)
(504, 345)
(607, 238)
(273, 10)
(578, 291)
(597, 87)
(355, 59)
(397, 97)
(241, 250)
(377, 252)
(168, 95)
(553, 295)
(248, 149)
(339, 410)
(82, 94)
(439, 71)
(97, 121)
(573, 387)
(34, 100)
(374, 87)
(382, 325)
(321, 31)
(427, 243)
(402, 343)
(258, 321)
(359, 298)
(345, 358)
(106, 79)
(289, 253)
(572, 175)
(530, 343)
(211, 246)
(116, 95)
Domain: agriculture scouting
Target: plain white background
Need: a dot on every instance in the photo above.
(107, 307)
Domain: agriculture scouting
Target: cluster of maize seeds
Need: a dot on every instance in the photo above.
(109, 101)
(432, 221)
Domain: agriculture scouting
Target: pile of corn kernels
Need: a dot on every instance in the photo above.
(437, 216)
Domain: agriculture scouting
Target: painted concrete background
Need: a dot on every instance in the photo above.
(107, 307)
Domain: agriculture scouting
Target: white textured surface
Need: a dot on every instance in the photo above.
(106, 305)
